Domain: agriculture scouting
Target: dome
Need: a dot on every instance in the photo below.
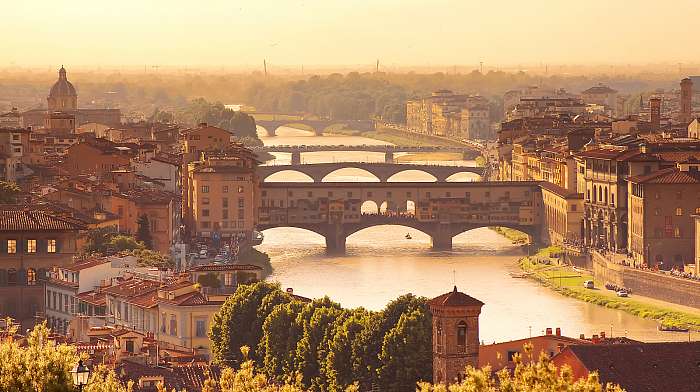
(62, 87)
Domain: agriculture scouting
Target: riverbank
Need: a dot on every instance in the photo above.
(545, 269)
(517, 237)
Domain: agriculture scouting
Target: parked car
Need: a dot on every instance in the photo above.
(588, 284)
(203, 254)
(622, 293)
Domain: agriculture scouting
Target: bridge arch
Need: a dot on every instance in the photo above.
(349, 178)
(301, 229)
(300, 126)
(463, 176)
(401, 176)
(283, 176)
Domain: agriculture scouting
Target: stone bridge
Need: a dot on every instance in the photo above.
(316, 126)
(382, 171)
(440, 210)
(468, 152)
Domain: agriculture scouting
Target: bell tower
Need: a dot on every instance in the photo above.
(455, 335)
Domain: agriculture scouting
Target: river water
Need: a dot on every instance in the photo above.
(380, 264)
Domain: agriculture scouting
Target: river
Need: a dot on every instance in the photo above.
(380, 264)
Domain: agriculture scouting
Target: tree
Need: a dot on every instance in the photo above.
(406, 354)
(97, 240)
(143, 233)
(281, 334)
(9, 191)
(239, 321)
(540, 376)
(152, 258)
(209, 280)
(122, 243)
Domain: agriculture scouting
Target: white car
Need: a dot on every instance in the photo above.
(622, 293)
(203, 254)
(588, 284)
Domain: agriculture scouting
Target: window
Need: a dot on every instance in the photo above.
(240, 189)
(11, 246)
(511, 355)
(205, 188)
(697, 210)
(677, 232)
(241, 202)
(162, 323)
(51, 246)
(225, 189)
(130, 346)
(201, 328)
(173, 326)
(31, 277)
(205, 212)
(679, 211)
(31, 246)
(206, 224)
(11, 276)
(241, 213)
(224, 202)
(573, 207)
(462, 333)
(224, 214)
(205, 200)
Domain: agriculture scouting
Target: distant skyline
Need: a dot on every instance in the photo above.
(216, 33)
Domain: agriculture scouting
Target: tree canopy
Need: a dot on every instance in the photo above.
(9, 191)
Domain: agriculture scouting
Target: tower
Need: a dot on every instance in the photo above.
(62, 97)
(686, 113)
(655, 113)
(455, 335)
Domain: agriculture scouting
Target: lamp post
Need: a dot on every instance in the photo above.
(81, 375)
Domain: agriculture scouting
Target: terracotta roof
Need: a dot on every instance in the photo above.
(667, 176)
(563, 192)
(132, 287)
(60, 282)
(455, 298)
(93, 297)
(190, 377)
(607, 153)
(226, 267)
(167, 158)
(84, 264)
(19, 218)
(644, 367)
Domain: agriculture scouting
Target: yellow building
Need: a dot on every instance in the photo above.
(563, 215)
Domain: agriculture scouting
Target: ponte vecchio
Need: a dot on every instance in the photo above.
(440, 209)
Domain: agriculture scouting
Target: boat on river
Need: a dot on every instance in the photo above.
(408, 236)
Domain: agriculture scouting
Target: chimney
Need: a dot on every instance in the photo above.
(582, 336)
(558, 331)
(595, 339)
(548, 331)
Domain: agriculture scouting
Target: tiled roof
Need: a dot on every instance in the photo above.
(644, 367)
(60, 282)
(455, 298)
(18, 218)
(92, 297)
(668, 176)
(132, 287)
(563, 192)
(189, 377)
(599, 90)
(226, 267)
(85, 264)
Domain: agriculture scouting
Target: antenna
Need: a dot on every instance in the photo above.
(481, 67)
(265, 66)
(454, 278)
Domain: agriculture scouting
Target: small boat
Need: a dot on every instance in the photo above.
(408, 236)
(519, 275)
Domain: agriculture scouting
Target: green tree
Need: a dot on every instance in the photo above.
(122, 243)
(143, 233)
(540, 376)
(9, 191)
(282, 332)
(152, 258)
(209, 280)
(339, 366)
(103, 379)
(97, 240)
(406, 355)
(239, 321)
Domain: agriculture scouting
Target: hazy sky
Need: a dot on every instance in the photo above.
(332, 32)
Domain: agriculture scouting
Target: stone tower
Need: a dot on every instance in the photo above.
(62, 97)
(655, 113)
(455, 335)
(686, 112)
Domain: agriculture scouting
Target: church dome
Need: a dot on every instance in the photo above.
(62, 87)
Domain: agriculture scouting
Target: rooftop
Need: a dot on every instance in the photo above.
(24, 218)
(455, 298)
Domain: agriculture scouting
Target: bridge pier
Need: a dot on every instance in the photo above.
(441, 237)
(335, 241)
(296, 158)
(389, 157)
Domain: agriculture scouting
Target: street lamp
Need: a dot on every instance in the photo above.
(81, 374)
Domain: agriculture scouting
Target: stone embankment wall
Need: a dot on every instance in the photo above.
(649, 284)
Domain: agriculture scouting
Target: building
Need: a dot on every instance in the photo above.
(563, 215)
(11, 119)
(601, 95)
(32, 242)
(686, 109)
(14, 151)
(97, 156)
(636, 366)
(223, 194)
(455, 335)
(661, 205)
(223, 279)
(63, 98)
(444, 113)
(163, 167)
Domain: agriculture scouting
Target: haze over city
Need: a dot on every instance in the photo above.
(349, 196)
(215, 33)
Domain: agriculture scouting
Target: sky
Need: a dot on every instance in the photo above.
(346, 32)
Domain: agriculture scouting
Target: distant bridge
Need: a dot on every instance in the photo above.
(315, 126)
(388, 150)
(441, 210)
(382, 171)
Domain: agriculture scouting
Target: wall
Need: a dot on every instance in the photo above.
(649, 284)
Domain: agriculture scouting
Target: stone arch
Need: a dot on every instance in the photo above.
(374, 179)
(369, 207)
(269, 130)
(463, 229)
(406, 225)
(307, 178)
(300, 126)
(294, 226)
(405, 172)
(469, 175)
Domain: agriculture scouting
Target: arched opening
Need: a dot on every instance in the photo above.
(384, 207)
(412, 175)
(369, 207)
(410, 207)
(462, 334)
(288, 176)
(387, 238)
(286, 236)
(264, 132)
(463, 177)
(350, 174)
(292, 129)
